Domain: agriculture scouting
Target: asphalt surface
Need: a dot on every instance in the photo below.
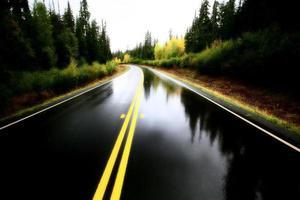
(183, 147)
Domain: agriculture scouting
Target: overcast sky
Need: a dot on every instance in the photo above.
(128, 20)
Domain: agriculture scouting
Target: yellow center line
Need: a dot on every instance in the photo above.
(113, 156)
(117, 189)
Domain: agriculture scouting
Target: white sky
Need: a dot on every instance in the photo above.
(128, 20)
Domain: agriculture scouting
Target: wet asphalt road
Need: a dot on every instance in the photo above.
(184, 147)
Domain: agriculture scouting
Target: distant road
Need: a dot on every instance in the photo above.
(142, 136)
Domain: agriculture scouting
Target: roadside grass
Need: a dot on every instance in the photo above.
(253, 110)
(27, 88)
(55, 99)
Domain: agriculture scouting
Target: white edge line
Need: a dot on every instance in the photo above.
(61, 102)
(235, 114)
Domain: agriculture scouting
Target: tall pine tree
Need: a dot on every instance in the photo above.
(16, 52)
(93, 42)
(68, 18)
(82, 24)
(43, 40)
(227, 19)
(105, 44)
(148, 47)
(215, 21)
(199, 35)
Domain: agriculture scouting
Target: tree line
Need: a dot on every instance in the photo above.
(42, 38)
(144, 50)
(257, 41)
(231, 19)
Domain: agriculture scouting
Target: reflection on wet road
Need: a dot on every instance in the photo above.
(183, 148)
(187, 148)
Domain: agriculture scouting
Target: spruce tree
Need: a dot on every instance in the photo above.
(148, 47)
(93, 44)
(43, 37)
(203, 27)
(82, 24)
(16, 52)
(60, 42)
(199, 35)
(189, 37)
(227, 21)
(68, 18)
(65, 41)
(105, 53)
(215, 21)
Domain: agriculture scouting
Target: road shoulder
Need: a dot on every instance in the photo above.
(52, 102)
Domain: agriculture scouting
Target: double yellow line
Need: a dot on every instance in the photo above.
(117, 189)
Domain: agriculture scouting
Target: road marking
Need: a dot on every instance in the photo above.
(113, 156)
(235, 114)
(117, 189)
(122, 116)
(61, 102)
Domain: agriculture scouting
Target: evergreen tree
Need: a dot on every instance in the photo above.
(65, 41)
(104, 45)
(108, 50)
(227, 19)
(148, 47)
(215, 21)
(15, 50)
(68, 18)
(199, 35)
(93, 43)
(144, 50)
(56, 38)
(71, 41)
(190, 36)
(82, 24)
(60, 42)
(84, 14)
(43, 40)
(203, 31)
(137, 51)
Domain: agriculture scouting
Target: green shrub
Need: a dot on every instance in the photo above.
(216, 59)
(56, 80)
(169, 63)
(110, 66)
(186, 61)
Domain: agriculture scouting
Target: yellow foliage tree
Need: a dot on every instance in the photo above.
(126, 58)
(173, 48)
(117, 60)
(158, 51)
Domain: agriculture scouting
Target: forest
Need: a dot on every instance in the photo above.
(43, 51)
(57, 37)
(253, 40)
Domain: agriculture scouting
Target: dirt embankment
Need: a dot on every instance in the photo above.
(278, 104)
